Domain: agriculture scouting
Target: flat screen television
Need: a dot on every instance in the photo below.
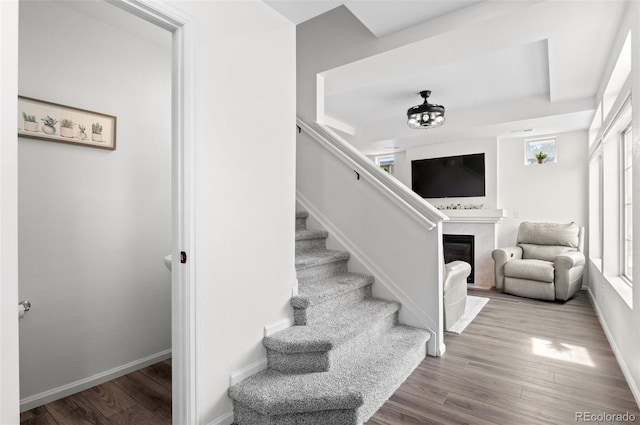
(449, 177)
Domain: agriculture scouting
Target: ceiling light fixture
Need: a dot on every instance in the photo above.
(425, 115)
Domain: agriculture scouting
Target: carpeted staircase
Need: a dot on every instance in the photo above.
(344, 357)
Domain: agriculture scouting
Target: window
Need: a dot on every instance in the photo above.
(595, 210)
(611, 166)
(540, 151)
(626, 236)
(386, 163)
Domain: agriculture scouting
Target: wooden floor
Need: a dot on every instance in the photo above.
(139, 398)
(519, 362)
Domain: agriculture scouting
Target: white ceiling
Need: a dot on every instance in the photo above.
(501, 76)
(112, 15)
(298, 11)
(381, 17)
(536, 66)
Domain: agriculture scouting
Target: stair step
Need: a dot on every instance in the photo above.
(311, 240)
(247, 416)
(307, 260)
(301, 220)
(302, 235)
(320, 298)
(343, 350)
(346, 361)
(325, 335)
(313, 265)
(361, 384)
(335, 338)
(317, 292)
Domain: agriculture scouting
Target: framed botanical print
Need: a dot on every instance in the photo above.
(39, 119)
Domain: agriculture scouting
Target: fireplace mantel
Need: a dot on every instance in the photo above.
(475, 215)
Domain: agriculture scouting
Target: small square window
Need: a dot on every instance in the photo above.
(386, 163)
(540, 151)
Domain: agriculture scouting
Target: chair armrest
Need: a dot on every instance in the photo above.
(455, 271)
(569, 260)
(502, 256)
(569, 268)
(506, 254)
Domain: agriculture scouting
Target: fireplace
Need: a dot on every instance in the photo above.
(459, 247)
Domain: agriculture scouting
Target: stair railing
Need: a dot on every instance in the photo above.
(402, 251)
(391, 187)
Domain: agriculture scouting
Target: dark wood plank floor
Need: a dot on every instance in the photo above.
(142, 397)
(519, 362)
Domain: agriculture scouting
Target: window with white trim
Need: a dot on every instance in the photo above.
(386, 163)
(540, 151)
(611, 169)
(626, 208)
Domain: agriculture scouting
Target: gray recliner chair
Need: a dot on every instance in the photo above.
(546, 264)
(455, 291)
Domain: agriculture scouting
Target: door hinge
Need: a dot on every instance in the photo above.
(183, 257)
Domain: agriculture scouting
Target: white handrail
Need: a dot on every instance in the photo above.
(408, 200)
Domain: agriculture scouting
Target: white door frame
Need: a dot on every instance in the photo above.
(183, 324)
(9, 358)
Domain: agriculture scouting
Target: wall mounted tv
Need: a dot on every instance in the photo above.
(449, 177)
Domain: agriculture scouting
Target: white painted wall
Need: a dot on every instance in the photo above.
(94, 224)
(385, 241)
(9, 378)
(555, 193)
(618, 309)
(631, 355)
(245, 234)
(245, 188)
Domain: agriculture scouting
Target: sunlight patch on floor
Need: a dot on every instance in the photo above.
(561, 351)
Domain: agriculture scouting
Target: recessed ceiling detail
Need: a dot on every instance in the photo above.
(381, 17)
(369, 102)
(495, 66)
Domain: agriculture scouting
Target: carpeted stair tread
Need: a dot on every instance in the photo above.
(365, 376)
(316, 292)
(302, 235)
(305, 260)
(273, 393)
(344, 358)
(301, 220)
(326, 334)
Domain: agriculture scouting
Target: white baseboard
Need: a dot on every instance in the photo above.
(276, 327)
(247, 371)
(226, 419)
(251, 369)
(616, 351)
(86, 383)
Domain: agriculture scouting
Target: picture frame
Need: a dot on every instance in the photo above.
(43, 120)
